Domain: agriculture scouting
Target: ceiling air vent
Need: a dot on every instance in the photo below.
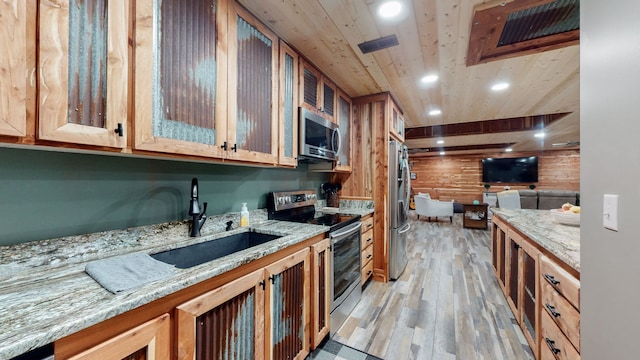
(378, 44)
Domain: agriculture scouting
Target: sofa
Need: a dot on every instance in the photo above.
(428, 207)
(546, 199)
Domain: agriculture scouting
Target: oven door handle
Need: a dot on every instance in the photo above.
(350, 229)
(403, 230)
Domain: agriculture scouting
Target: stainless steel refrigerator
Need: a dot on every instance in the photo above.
(399, 189)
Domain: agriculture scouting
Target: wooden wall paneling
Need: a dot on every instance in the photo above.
(381, 112)
(460, 177)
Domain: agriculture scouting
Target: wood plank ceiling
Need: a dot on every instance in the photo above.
(433, 38)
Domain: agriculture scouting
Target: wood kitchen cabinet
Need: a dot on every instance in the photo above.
(396, 127)
(218, 99)
(522, 287)
(320, 291)
(226, 322)
(499, 251)
(83, 72)
(262, 315)
(317, 92)
(560, 314)
(288, 107)
(288, 306)
(344, 120)
(543, 295)
(181, 88)
(18, 42)
(366, 246)
(150, 340)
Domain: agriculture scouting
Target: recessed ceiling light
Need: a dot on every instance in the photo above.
(435, 112)
(539, 135)
(390, 9)
(440, 141)
(430, 79)
(441, 152)
(508, 149)
(500, 86)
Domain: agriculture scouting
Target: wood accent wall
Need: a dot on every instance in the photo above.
(460, 177)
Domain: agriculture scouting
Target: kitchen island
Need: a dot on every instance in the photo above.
(562, 241)
(537, 264)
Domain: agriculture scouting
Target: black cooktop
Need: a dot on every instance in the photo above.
(299, 206)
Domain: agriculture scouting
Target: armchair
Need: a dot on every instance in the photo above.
(433, 208)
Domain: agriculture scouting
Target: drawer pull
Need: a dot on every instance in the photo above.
(368, 272)
(369, 239)
(551, 345)
(552, 310)
(369, 256)
(551, 279)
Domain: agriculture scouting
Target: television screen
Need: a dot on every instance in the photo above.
(510, 170)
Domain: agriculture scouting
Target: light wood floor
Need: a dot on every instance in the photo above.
(446, 305)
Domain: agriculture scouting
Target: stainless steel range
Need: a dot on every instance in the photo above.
(299, 206)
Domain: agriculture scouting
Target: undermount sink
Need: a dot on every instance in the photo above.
(196, 254)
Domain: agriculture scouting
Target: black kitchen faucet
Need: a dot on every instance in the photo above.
(199, 217)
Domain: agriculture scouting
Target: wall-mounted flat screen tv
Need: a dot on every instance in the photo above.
(510, 170)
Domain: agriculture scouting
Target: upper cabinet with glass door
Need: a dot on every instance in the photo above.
(252, 89)
(83, 64)
(317, 92)
(396, 128)
(345, 125)
(180, 77)
(288, 106)
(15, 67)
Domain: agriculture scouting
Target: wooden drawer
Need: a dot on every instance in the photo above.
(367, 255)
(566, 317)
(367, 224)
(552, 336)
(366, 239)
(561, 280)
(367, 271)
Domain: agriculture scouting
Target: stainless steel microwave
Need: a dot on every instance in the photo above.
(319, 137)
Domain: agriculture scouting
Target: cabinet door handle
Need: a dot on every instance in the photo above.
(235, 148)
(551, 345)
(551, 279)
(552, 310)
(516, 246)
(224, 146)
(119, 130)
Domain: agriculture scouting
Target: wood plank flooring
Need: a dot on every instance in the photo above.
(446, 305)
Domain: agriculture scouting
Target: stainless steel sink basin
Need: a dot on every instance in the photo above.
(192, 255)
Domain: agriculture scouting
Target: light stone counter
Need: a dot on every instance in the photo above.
(352, 207)
(563, 241)
(46, 295)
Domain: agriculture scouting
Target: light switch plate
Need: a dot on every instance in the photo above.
(610, 213)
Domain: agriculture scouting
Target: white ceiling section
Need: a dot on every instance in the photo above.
(434, 38)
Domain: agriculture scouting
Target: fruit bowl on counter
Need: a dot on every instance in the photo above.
(568, 215)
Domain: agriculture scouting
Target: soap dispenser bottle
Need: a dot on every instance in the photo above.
(244, 215)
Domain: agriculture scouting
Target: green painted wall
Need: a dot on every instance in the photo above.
(47, 194)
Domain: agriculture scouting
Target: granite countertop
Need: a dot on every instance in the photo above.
(351, 207)
(563, 241)
(46, 295)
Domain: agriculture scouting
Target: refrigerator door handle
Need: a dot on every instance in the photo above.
(403, 230)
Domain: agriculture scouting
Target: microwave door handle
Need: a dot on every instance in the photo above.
(336, 131)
